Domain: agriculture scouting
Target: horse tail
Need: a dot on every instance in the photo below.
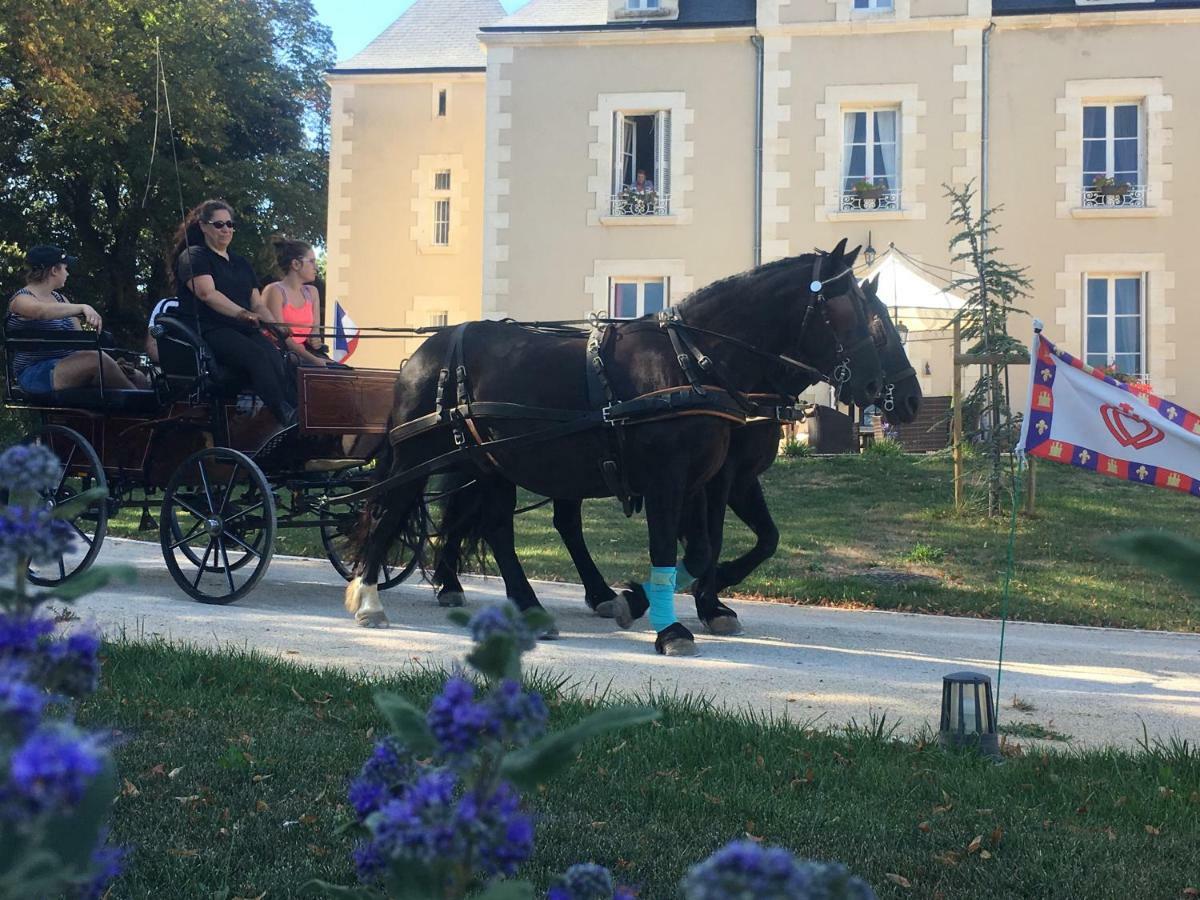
(463, 524)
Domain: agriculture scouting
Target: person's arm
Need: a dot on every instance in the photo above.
(29, 307)
(205, 288)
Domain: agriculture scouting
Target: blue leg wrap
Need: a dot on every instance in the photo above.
(660, 591)
(682, 576)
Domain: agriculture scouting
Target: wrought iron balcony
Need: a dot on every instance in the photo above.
(870, 201)
(641, 203)
(1114, 196)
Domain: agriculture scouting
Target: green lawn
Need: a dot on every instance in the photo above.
(854, 527)
(235, 771)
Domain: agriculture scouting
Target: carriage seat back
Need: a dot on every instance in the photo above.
(187, 362)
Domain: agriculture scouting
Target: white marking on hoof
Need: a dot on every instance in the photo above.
(362, 601)
(452, 599)
(723, 625)
(606, 609)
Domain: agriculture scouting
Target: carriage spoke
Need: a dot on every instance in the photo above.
(66, 468)
(204, 481)
(203, 565)
(87, 540)
(228, 488)
(240, 513)
(228, 571)
(237, 540)
(199, 515)
(189, 536)
(62, 567)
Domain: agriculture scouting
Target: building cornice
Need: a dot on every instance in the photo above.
(1096, 19)
(401, 76)
(874, 25)
(607, 37)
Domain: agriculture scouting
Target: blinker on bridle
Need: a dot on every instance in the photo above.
(842, 371)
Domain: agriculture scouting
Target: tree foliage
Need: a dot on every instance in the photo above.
(79, 92)
(990, 289)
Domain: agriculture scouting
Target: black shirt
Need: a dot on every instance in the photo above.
(233, 277)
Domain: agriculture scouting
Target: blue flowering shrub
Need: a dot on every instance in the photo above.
(57, 781)
(438, 805)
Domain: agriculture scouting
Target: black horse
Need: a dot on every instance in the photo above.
(753, 448)
(749, 328)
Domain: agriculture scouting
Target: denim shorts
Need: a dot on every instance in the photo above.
(38, 377)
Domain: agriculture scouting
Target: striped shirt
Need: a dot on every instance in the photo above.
(24, 358)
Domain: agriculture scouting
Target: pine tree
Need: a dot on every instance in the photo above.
(990, 287)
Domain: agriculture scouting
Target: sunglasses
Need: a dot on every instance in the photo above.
(223, 225)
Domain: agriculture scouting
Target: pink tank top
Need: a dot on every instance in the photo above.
(298, 318)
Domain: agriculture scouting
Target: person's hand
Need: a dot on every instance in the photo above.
(284, 331)
(90, 316)
(248, 317)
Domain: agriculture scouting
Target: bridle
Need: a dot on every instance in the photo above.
(887, 396)
(842, 372)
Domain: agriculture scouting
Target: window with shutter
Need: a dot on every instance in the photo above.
(641, 163)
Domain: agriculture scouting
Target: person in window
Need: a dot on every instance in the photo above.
(40, 306)
(642, 184)
(293, 299)
(219, 289)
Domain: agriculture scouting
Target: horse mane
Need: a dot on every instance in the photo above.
(768, 279)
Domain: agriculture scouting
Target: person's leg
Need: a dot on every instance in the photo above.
(259, 359)
(80, 370)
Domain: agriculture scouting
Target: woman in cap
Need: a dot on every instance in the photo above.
(220, 289)
(39, 306)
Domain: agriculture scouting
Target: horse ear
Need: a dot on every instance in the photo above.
(875, 283)
(838, 251)
(850, 257)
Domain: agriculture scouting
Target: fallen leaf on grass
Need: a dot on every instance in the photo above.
(996, 836)
(129, 789)
(947, 857)
(983, 854)
(898, 879)
(975, 844)
(160, 769)
(295, 693)
(1150, 829)
(182, 853)
(260, 806)
(925, 827)
(317, 851)
(259, 778)
(1191, 892)
(943, 808)
(308, 819)
(175, 771)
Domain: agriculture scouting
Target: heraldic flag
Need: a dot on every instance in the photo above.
(1079, 416)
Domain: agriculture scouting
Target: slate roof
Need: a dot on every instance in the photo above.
(432, 35)
(1033, 7)
(585, 15)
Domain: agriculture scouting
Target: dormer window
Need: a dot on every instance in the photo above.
(642, 5)
(870, 6)
(642, 9)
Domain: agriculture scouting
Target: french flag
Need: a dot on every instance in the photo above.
(345, 335)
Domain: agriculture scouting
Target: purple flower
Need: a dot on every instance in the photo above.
(584, 881)
(435, 822)
(368, 861)
(460, 724)
(53, 768)
(502, 620)
(383, 777)
(21, 636)
(107, 864)
(21, 703)
(522, 714)
(32, 533)
(743, 869)
(29, 467)
(73, 664)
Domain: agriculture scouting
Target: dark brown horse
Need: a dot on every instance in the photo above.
(753, 327)
(752, 450)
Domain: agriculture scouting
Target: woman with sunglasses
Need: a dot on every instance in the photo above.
(220, 289)
(293, 299)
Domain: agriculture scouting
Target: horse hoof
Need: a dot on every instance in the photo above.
(452, 599)
(372, 620)
(723, 625)
(679, 647)
(551, 633)
(617, 608)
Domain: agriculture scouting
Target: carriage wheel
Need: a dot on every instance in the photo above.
(81, 472)
(217, 509)
(397, 565)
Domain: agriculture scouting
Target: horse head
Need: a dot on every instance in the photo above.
(837, 298)
(900, 394)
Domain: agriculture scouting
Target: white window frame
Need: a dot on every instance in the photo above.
(643, 5)
(641, 281)
(439, 319)
(874, 6)
(1111, 316)
(625, 157)
(443, 103)
(898, 177)
(441, 222)
(441, 180)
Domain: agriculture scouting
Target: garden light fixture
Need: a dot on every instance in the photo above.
(968, 713)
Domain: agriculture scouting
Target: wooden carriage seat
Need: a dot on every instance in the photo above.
(112, 400)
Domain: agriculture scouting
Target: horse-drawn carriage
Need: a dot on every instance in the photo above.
(223, 473)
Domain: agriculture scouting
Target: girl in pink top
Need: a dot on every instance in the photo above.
(293, 299)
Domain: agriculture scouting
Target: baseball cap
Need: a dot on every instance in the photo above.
(45, 255)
